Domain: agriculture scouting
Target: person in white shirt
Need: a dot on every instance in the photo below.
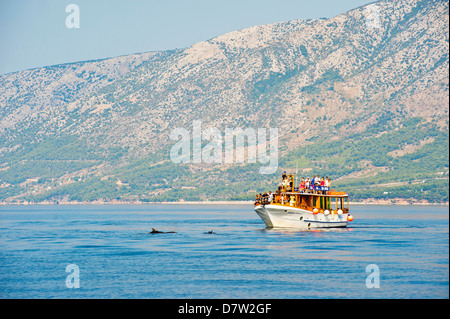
(285, 184)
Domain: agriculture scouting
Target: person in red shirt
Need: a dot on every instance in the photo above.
(302, 185)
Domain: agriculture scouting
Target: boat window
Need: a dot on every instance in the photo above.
(308, 201)
(333, 203)
(345, 199)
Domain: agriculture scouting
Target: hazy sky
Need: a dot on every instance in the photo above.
(33, 33)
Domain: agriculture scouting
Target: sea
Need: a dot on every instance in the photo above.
(210, 251)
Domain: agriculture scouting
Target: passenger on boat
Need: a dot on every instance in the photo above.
(318, 181)
(289, 184)
(283, 199)
(322, 183)
(278, 191)
(285, 184)
(270, 198)
(302, 185)
(307, 183)
(258, 199)
(313, 184)
(264, 198)
(328, 183)
(292, 200)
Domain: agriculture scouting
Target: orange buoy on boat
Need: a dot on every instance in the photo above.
(349, 218)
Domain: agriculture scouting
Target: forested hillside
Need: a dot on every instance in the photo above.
(361, 98)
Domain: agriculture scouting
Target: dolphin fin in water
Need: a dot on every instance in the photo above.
(154, 231)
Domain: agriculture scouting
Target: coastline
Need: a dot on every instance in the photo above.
(396, 202)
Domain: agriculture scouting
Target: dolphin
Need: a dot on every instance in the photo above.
(154, 231)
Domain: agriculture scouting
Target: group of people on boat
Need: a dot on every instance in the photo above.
(316, 185)
(264, 198)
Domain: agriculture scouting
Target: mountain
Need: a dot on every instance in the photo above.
(361, 97)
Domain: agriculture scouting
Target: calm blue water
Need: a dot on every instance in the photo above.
(117, 258)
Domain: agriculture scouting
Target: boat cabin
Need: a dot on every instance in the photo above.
(332, 201)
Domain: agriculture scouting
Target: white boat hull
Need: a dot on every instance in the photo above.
(292, 217)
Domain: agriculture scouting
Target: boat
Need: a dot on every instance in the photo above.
(316, 207)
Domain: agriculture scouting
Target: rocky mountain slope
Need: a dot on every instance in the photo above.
(99, 130)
